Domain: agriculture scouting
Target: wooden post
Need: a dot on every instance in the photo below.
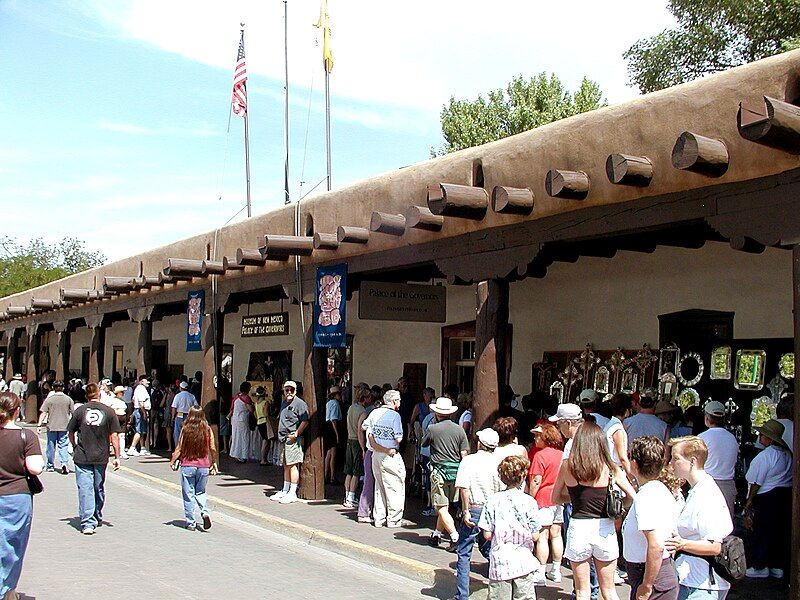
(312, 472)
(11, 354)
(64, 347)
(213, 334)
(32, 372)
(491, 333)
(144, 347)
(97, 347)
(794, 565)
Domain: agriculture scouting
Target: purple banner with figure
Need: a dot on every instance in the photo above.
(194, 321)
(330, 302)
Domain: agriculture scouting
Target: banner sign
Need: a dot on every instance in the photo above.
(265, 325)
(402, 302)
(194, 320)
(329, 307)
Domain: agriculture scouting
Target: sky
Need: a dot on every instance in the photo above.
(115, 123)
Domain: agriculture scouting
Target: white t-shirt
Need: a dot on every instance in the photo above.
(385, 426)
(705, 516)
(567, 449)
(654, 509)
(466, 417)
(723, 450)
(644, 424)
(183, 401)
(788, 431)
(771, 468)
(613, 425)
(478, 474)
(141, 397)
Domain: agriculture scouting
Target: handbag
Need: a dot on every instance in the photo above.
(34, 483)
(614, 506)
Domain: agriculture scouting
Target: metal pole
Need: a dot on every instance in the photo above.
(247, 157)
(327, 121)
(286, 105)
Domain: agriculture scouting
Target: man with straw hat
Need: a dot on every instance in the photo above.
(448, 443)
(769, 502)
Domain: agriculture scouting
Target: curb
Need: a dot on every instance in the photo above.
(377, 557)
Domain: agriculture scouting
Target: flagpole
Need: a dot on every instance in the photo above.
(286, 101)
(247, 158)
(327, 121)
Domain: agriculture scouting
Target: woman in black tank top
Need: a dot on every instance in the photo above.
(591, 536)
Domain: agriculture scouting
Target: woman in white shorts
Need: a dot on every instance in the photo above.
(583, 481)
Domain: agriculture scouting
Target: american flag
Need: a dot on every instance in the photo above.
(239, 97)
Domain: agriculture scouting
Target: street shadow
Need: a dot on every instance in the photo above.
(413, 538)
(23, 596)
(443, 585)
(74, 522)
(179, 523)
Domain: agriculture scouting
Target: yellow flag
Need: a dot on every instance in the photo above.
(325, 23)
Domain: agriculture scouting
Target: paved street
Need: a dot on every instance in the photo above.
(144, 551)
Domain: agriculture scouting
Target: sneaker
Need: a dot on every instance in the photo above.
(50, 469)
(64, 470)
(191, 526)
(88, 531)
(278, 495)
(619, 577)
(554, 575)
(539, 577)
(206, 522)
(434, 540)
(776, 573)
(364, 519)
(349, 504)
(753, 573)
(400, 523)
(124, 455)
(133, 452)
(144, 452)
(288, 498)
(429, 512)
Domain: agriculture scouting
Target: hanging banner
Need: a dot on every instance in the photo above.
(194, 320)
(329, 307)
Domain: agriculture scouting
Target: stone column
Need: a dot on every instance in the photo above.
(97, 348)
(64, 347)
(11, 354)
(491, 333)
(312, 473)
(144, 346)
(32, 373)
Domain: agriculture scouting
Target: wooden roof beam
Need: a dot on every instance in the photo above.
(421, 217)
(352, 235)
(464, 201)
(214, 267)
(513, 201)
(625, 169)
(699, 154)
(774, 123)
(183, 267)
(287, 245)
(231, 264)
(387, 223)
(326, 241)
(572, 185)
(249, 257)
(16, 311)
(80, 294)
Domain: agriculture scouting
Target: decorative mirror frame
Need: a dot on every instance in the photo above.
(786, 365)
(700, 369)
(688, 397)
(557, 390)
(668, 359)
(668, 387)
(764, 409)
(628, 381)
(602, 380)
(722, 371)
(756, 381)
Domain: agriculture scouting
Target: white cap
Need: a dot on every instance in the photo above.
(488, 437)
(290, 384)
(567, 412)
(588, 395)
(184, 385)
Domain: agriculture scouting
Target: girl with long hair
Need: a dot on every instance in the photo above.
(196, 455)
(591, 534)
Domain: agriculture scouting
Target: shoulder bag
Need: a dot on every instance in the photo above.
(34, 483)
(614, 506)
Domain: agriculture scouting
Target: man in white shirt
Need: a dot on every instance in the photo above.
(181, 404)
(646, 422)
(141, 412)
(384, 429)
(17, 387)
(723, 451)
(588, 400)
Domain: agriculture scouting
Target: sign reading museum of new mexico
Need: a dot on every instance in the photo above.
(402, 302)
(266, 324)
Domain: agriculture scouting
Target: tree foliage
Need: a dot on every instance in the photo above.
(711, 36)
(524, 104)
(25, 266)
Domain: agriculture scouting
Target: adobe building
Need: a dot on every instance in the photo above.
(649, 243)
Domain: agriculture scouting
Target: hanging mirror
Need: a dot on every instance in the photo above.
(668, 358)
(628, 381)
(764, 409)
(749, 369)
(786, 365)
(557, 390)
(668, 387)
(721, 363)
(688, 397)
(690, 369)
(601, 380)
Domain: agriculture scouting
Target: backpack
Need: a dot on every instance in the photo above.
(730, 563)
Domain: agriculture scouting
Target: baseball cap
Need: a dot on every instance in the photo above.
(184, 385)
(567, 412)
(488, 437)
(588, 396)
(290, 384)
(714, 408)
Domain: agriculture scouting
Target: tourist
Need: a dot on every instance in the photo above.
(723, 452)
(20, 455)
(354, 453)
(506, 428)
(260, 408)
(196, 455)
(477, 481)
(141, 410)
(196, 386)
(588, 401)
(241, 409)
(183, 401)
(703, 523)
(225, 406)
(211, 412)
(96, 426)
(330, 436)
(591, 537)
(292, 421)
(465, 412)
(367, 498)
(422, 408)
(385, 432)
(56, 411)
(645, 422)
(117, 404)
(621, 408)
(785, 413)
(650, 522)
(424, 458)
(545, 465)
(449, 444)
(769, 501)
(510, 520)
(16, 387)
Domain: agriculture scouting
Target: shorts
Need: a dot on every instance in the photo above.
(442, 492)
(551, 515)
(353, 459)
(262, 429)
(588, 538)
(139, 422)
(224, 425)
(329, 435)
(293, 452)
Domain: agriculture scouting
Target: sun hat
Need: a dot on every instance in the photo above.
(537, 429)
(665, 407)
(488, 437)
(774, 431)
(443, 406)
(290, 384)
(334, 390)
(567, 412)
(184, 385)
(17, 376)
(120, 389)
(588, 396)
(715, 409)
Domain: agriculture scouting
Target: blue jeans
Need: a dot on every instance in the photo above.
(176, 429)
(466, 538)
(91, 480)
(193, 485)
(593, 582)
(16, 514)
(60, 439)
(690, 593)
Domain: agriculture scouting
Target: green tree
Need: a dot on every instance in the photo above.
(711, 36)
(523, 105)
(25, 266)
